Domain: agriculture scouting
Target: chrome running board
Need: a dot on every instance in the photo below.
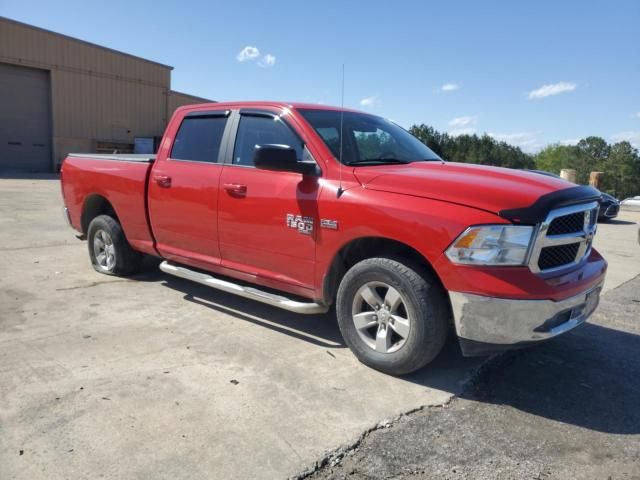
(243, 291)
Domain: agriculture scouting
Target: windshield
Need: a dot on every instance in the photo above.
(368, 140)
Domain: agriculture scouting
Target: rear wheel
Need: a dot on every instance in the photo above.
(109, 250)
(392, 315)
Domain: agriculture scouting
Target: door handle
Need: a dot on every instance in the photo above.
(163, 181)
(236, 189)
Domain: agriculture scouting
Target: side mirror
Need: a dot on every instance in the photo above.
(281, 158)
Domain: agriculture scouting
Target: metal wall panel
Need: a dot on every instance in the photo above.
(179, 99)
(97, 94)
(22, 43)
(25, 118)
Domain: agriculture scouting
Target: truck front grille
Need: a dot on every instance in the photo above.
(552, 257)
(567, 224)
(564, 238)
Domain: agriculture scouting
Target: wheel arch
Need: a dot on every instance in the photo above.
(93, 206)
(359, 249)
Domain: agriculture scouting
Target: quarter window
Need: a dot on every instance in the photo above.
(254, 131)
(199, 139)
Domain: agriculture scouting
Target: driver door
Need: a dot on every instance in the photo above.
(267, 219)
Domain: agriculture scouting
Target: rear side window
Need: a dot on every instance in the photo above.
(255, 131)
(199, 139)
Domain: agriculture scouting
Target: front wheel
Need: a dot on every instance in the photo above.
(392, 316)
(109, 250)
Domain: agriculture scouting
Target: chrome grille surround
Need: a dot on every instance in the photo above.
(584, 237)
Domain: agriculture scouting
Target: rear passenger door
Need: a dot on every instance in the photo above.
(183, 189)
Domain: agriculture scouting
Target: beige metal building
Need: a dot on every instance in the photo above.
(59, 94)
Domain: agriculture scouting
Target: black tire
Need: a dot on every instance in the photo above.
(125, 260)
(427, 309)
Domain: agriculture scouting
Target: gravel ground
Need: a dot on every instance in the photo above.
(569, 409)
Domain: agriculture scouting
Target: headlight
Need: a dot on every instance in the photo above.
(492, 245)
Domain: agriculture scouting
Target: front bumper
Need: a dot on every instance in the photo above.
(67, 216)
(609, 211)
(488, 325)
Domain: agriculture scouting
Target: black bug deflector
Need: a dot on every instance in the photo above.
(538, 211)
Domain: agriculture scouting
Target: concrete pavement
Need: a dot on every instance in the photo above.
(565, 410)
(156, 377)
(617, 240)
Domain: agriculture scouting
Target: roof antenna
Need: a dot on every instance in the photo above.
(340, 189)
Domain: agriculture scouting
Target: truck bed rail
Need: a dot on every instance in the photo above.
(121, 157)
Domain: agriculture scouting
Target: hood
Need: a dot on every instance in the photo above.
(493, 189)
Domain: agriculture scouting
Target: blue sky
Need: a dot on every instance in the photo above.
(530, 74)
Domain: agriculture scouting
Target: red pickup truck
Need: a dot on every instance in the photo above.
(306, 206)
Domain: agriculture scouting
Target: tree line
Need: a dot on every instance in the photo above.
(619, 161)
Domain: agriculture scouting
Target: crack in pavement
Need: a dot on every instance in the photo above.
(31, 247)
(534, 400)
(334, 457)
(90, 285)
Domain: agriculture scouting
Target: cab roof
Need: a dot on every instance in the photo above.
(276, 104)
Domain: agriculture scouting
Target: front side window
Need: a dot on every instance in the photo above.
(255, 130)
(199, 139)
(367, 139)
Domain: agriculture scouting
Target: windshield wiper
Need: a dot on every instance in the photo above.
(378, 161)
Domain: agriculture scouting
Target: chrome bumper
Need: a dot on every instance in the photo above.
(488, 325)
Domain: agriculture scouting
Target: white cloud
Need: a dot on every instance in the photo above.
(267, 61)
(462, 131)
(464, 121)
(369, 101)
(552, 89)
(527, 141)
(570, 141)
(512, 137)
(248, 53)
(449, 87)
(632, 137)
(636, 115)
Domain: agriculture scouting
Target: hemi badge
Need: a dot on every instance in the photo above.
(328, 224)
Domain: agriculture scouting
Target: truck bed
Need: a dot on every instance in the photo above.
(121, 179)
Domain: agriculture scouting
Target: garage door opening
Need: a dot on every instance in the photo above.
(25, 120)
